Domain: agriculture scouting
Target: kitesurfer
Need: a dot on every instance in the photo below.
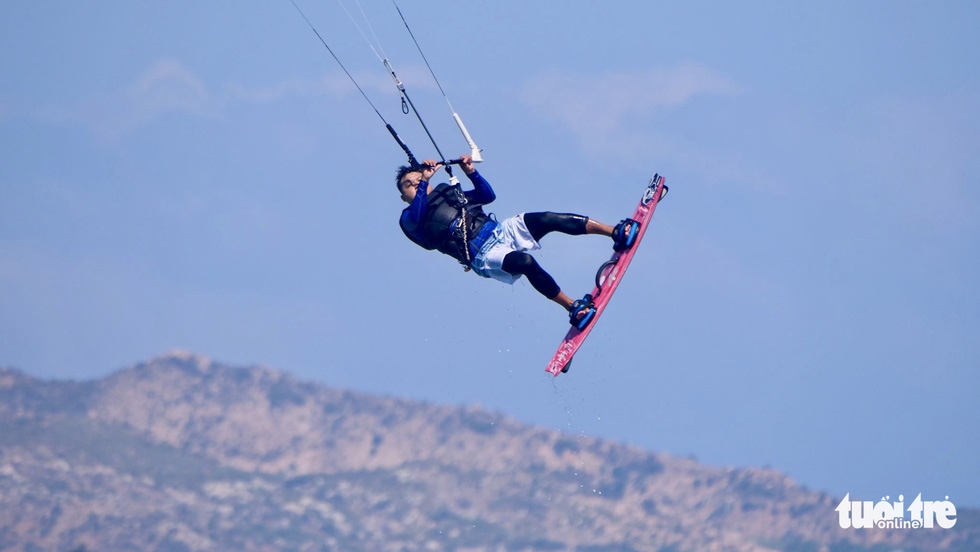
(452, 221)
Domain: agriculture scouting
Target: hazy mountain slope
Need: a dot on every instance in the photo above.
(182, 453)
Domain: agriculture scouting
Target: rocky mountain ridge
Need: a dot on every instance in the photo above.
(183, 453)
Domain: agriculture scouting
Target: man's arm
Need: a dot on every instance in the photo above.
(482, 193)
(413, 214)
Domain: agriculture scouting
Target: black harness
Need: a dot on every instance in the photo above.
(450, 222)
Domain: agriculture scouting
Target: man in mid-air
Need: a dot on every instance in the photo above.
(446, 219)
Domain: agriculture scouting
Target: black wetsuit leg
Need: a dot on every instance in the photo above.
(540, 224)
(520, 263)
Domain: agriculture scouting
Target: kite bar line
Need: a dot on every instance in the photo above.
(405, 96)
(383, 58)
(474, 150)
(370, 28)
(337, 59)
(407, 103)
(411, 158)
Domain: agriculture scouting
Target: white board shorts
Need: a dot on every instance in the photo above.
(510, 235)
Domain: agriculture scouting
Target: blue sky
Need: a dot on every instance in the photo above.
(204, 177)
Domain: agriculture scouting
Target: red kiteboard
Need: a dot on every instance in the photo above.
(609, 275)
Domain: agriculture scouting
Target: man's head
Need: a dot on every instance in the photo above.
(407, 179)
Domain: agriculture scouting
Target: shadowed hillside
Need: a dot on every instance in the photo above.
(182, 453)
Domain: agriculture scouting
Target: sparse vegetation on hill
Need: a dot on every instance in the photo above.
(182, 453)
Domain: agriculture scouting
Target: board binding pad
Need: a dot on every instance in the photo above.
(610, 274)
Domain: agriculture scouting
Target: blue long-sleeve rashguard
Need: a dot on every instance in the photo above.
(414, 214)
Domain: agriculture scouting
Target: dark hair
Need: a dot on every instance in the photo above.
(402, 171)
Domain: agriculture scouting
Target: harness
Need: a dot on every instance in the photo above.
(450, 222)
